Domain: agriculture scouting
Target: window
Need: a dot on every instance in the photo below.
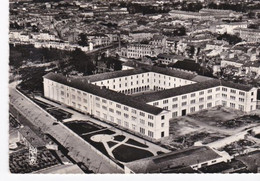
(162, 125)
(184, 103)
(184, 97)
(232, 97)
(150, 134)
(209, 97)
(126, 124)
(104, 107)
(142, 130)
(150, 117)
(111, 110)
(142, 114)
(232, 105)
(224, 89)
(165, 101)
(142, 121)
(62, 93)
(97, 99)
(112, 118)
(241, 93)
(175, 114)
(224, 95)
(201, 99)
(97, 105)
(233, 91)
(162, 117)
(209, 105)
(210, 90)
(193, 95)
(193, 101)
(201, 107)
(134, 111)
(174, 99)
(174, 106)
(241, 107)
(150, 124)
(192, 109)
(119, 121)
(126, 115)
(241, 99)
(118, 106)
(156, 103)
(125, 108)
(252, 93)
(218, 89)
(85, 100)
(118, 112)
(201, 93)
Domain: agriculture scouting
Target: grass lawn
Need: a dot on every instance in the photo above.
(111, 143)
(126, 153)
(80, 127)
(59, 114)
(119, 137)
(97, 145)
(136, 143)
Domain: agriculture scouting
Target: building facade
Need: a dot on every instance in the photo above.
(117, 97)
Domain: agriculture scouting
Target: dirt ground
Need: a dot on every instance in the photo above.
(207, 126)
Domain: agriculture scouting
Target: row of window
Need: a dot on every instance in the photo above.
(126, 109)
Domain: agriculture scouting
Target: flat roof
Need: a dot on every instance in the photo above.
(31, 137)
(180, 158)
(139, 70)
(82, 84)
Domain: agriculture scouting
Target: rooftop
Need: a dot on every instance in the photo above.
(31, 137)
(204, 84)
(82, 84)
(181, 158)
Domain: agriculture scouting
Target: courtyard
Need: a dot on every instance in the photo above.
(113, 144)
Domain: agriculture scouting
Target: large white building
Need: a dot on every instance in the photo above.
(117, 97)
(190, 15)
(137, 51)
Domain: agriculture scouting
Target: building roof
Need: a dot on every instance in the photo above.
(82, 84)
(115, 74)
(177, 91)
(31, 137)
(176, 159)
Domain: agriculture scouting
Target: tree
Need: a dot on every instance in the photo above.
(83, 41)
(232, 39)
(82, 62)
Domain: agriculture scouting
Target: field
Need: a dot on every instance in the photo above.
(207, 126)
